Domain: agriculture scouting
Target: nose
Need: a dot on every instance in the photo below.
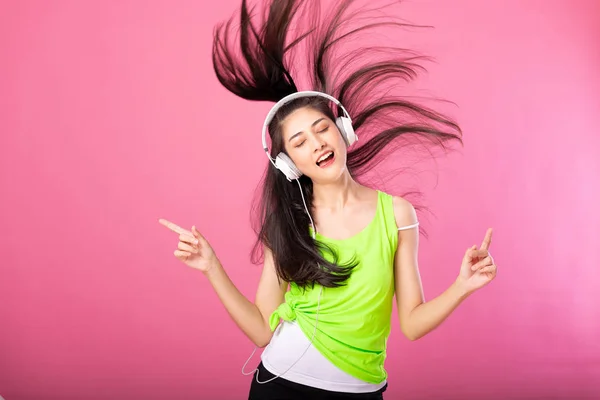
(318, 142)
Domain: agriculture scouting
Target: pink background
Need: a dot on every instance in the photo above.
(111, 117)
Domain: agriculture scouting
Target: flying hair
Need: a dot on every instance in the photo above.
(264, 57)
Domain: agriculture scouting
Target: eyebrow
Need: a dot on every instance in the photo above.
(298, 133)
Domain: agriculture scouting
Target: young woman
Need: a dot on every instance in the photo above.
(336, 252)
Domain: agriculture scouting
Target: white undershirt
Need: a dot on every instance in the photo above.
(311, 369)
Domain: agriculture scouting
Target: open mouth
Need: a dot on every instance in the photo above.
(326, 159)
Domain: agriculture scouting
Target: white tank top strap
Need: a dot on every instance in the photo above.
(403, 228)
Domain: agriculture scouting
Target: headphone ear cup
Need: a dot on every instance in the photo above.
(344, 124)
(287, 166)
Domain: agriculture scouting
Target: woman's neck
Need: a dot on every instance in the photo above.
(336, 195)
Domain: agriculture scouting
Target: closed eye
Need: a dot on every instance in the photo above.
(300, 144)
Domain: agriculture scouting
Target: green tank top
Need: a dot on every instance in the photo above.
(354, 320)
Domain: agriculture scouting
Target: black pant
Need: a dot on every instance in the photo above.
(280, 389)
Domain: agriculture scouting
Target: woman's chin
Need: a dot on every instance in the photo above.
(329, 174)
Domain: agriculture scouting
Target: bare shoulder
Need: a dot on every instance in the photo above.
(404, 212)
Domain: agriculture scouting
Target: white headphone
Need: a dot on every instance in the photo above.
(282, 162)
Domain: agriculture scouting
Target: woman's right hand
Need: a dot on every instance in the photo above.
(193, 249)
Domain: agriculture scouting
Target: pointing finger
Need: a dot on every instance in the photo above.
(485, 245)
(174, 227)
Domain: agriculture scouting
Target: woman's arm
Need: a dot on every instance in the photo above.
(417, 317)
(251, 318)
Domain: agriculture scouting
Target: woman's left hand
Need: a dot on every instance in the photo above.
(478, 268)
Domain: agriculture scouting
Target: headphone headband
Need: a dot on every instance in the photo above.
(289, 98)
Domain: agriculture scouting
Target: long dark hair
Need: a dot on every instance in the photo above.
(257, 63)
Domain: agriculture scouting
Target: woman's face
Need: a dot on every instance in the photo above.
(315, 145)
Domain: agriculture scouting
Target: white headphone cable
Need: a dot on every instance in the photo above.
(316, 318)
